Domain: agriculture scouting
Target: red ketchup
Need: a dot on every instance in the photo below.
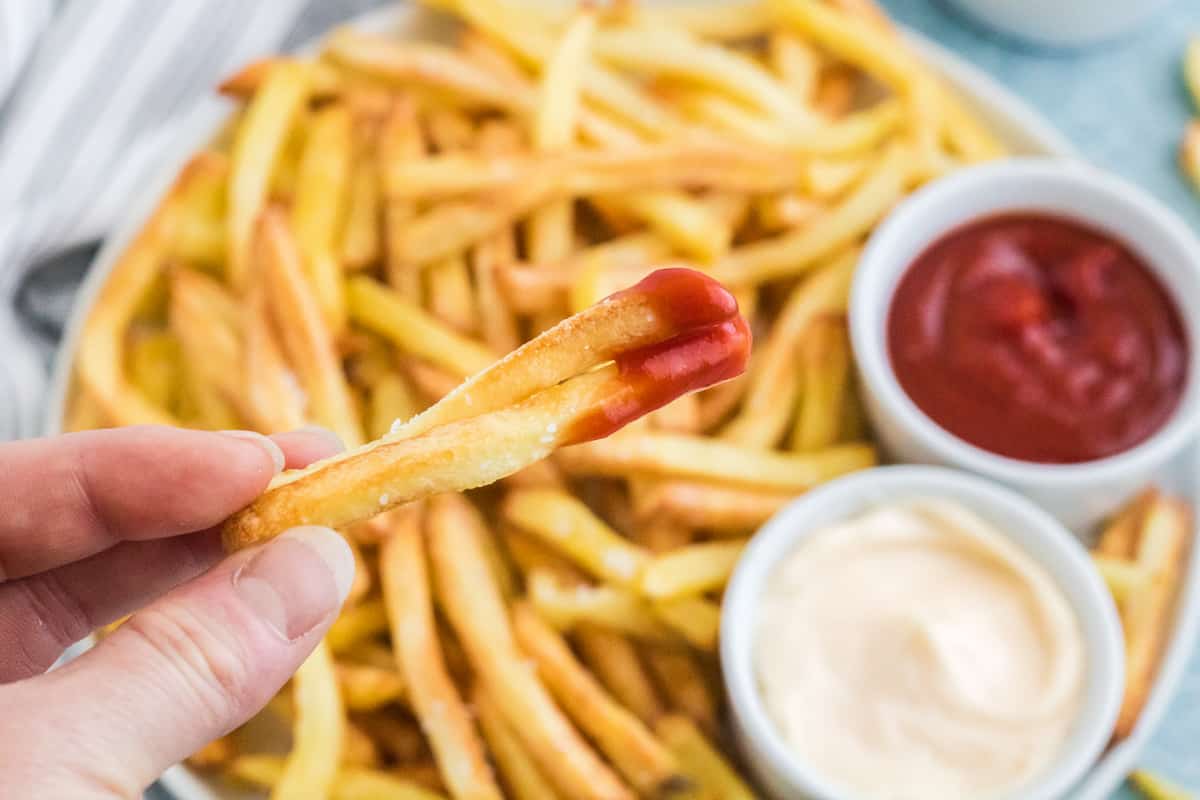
(1038, 338)
(711, 345)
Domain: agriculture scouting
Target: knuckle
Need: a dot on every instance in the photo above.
(210, 666)
(48, 618)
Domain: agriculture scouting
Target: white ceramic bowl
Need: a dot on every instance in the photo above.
(1062, 23)
(1078, 494)
(784, 774)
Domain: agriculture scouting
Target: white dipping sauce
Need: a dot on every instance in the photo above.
(916, 652)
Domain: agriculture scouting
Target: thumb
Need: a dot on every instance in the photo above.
(189, 668)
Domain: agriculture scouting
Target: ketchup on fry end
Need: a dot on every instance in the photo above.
(656, 374)
(684, 298)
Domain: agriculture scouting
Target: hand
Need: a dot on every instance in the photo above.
(96, 525)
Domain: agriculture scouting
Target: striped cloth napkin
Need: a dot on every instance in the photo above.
(91, 92)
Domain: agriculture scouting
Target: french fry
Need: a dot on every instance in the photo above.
(307, 339)
(679, 456)
(257, 145)
(691, 570)
(450, 295)
(701, 761)
(400, 139)
(390, 401)
(614, 660)
(264, 771)
(320, 203)
(359, 245)
(84, 413)
(400, 738)
(273, 399)
(199, 238)
(531, 555)
(836, 228)
(796, 63)
(358, 748)
(318, 731)
(565, 523)
(685, 686)
(204, 320)
(1189, 153)
(825, 357)
(697, 620)
(1155, 788)
(472, 600)
(154, 367)
(366, 688)
(1191, 70)
(1147, 612)
(567, 606)
(518, 770)
(722, 510)
(245, 83)
(620, 735)
(356, 625)
(433, 696)
(449, 130)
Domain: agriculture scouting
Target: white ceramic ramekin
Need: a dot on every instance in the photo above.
(1063, 23)
(1078, 494)
(783, 773)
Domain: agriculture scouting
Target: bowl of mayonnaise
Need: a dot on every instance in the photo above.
(915, 632)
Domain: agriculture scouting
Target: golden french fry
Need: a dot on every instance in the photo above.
(306, 337)
(245, 83)
(614, 660)
(718, 509)
(258, 142)
(1154, 787)
(567, 605)
(318, 731)
(450, 295)
(517, 768)
(685, 686)
(697, 620)
(1189, 153)
(154, 367)
(472, 600)
(319, 205)
(358, 748)
(366, 688)
(825, 368)
(390, 401)
(566, 524)
(620, 735)
(359, 246)
(531, 555)
(679, 456)
(796, 63)
(205, 321)
(691, 570)
(701, 761)
(432, 694)
(356, 625)
(84, 414)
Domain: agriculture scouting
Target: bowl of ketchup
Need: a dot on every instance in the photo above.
(1028, 320)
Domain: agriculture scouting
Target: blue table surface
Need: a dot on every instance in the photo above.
(1123, 104)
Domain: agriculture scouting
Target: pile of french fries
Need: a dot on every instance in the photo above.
(378, 223)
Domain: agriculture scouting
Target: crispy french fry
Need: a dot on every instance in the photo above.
(245, 83)
(517, 768)
(307, 339)
(1189, 153)
(359, 246)
(697, 620)
(205, 321)
(358, 748)
(838, 227)
(434, 698)
(257, 145)
(356, 625)
(366, 688)
(825, 368)
(274, 401)
(614, 660)
(691, 570)
(390, 401)
(84, 414)
(718, 509)
(685, 686)
(154, 367)
(472, 601)
(679, 456)
(450, 295)
(400, 139)
(701, 761)
(1154, 787)
(320, 203)
(565, 523)
(620, 735)
(796, 63)
(351, 783)
(318, 731)
(531, 555)
(1119, 539)
(566, 606)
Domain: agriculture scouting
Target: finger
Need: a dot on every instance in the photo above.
(187, 669)
(84, 492)
(44, 614)
(304, 446)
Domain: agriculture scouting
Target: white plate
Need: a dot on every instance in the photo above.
(1021, 128)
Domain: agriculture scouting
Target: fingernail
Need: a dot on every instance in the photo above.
(266, 444)
(317, 430)
(298, 580)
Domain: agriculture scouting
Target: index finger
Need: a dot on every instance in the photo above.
(72, 496)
